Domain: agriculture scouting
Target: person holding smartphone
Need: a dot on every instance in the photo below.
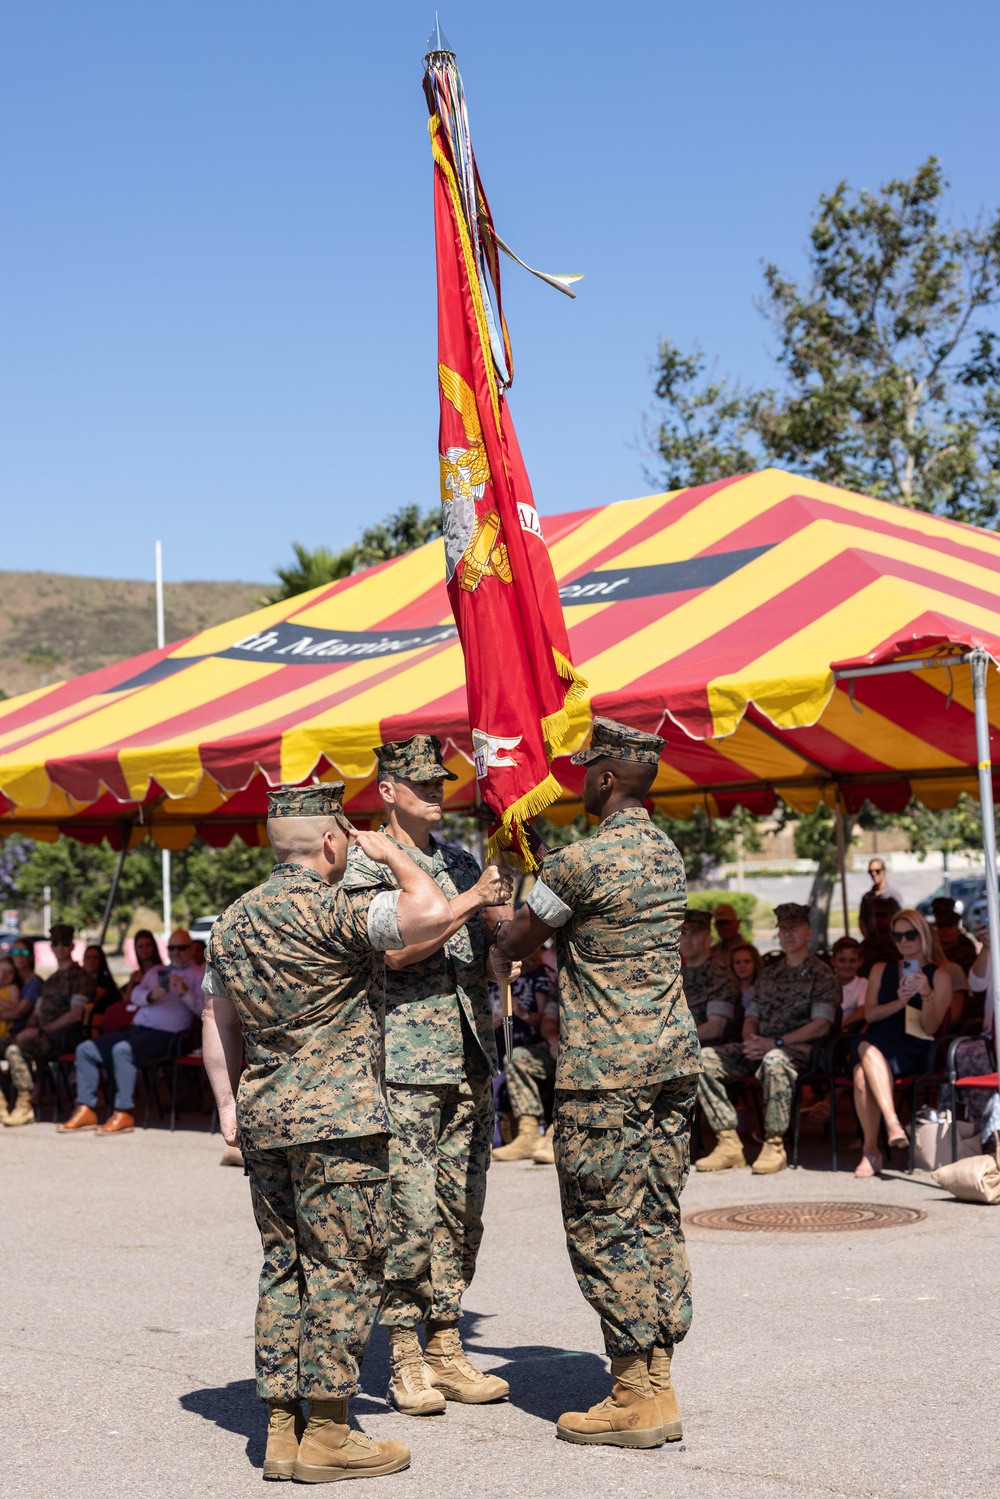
(906, 1002)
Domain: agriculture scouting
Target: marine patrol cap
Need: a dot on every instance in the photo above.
(791, 913)
(700, 919)
(618, 741)
(325, 800)
(415, 759)
(60, 931)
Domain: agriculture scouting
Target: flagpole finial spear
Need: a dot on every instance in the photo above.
(438, 42)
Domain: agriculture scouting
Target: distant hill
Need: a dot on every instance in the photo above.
(53, 626)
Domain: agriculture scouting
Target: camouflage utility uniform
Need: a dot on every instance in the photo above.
(440, 1057)
(785, 999)
(298, 958)
(710, 991)
(531, 1061)
(626, 1074)
(58, 994)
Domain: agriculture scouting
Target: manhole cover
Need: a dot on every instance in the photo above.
(804, 1217)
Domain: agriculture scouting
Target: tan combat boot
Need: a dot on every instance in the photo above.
(658, 1362)
(410, 1388)
(524, 1143)
(22, 1112)
(544, 1154)
(4, 1110)
(450, 1370)
(284, 1430)
(330, 1449)
(772, 1157)
(629, 1417)
(727, 1155)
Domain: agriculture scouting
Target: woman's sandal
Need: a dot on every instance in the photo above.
(873, 1163)
(900, 1142)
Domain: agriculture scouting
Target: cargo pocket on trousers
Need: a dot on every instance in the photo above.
(363, 1208)
(590, 1138)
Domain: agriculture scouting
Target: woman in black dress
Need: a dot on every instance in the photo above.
(890, 1047)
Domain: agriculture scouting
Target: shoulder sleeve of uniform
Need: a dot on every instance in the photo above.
(722, 999)
(566, 875)
(362, 918)
(363, 873)
(383, 923)
(212, 985)
(825, 995)
(548, 906)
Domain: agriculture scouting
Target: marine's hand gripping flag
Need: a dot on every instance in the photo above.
(503, 591)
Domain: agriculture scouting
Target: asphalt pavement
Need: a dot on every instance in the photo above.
(856, 1364)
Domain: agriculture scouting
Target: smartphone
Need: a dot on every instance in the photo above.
(164, 977)
(910, 965)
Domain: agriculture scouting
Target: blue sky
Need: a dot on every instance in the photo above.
(216, 271)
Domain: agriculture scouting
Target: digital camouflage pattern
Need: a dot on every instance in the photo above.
(302, 963)
(710, 990)
(425, 1037)
(524, 1069)
(785, 998)
(776, 1073)
(415, 759)
(617, 900)
(619, 741)
(323, 1214)
(622, 1157)
(55, 999)
(325, 800)
(439, 1155)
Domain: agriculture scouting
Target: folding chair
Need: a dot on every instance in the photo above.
(986, 1080)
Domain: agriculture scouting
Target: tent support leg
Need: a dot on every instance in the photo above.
(842, 858)
(109, 904)
(980, 665)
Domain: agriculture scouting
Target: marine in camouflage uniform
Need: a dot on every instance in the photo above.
(440, 1058)
(67, 991)
(300, 960)
(625, 1080)
(789, 998)
(709, 987)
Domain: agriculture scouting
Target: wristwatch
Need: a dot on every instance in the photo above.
(779, 1041)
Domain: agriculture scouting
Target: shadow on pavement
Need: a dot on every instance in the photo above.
(234, 1407)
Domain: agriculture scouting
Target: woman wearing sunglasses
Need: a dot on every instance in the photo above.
(906, 1002)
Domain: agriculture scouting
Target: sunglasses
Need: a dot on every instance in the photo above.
(876, 869)
(179, 946)
(20, 952)
(910, 935)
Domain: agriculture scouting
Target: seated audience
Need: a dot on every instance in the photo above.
(727, 930)
(105, 989)
(957, 946)
(147, 955)
(22, 955)
(55, 1024)
(795, 1006)
(532, 1060)
(906, 1002)
(845, 958)
(11, 1004)
(709, 987)
(975, 1056)
(878, 946)
(747, 965)
(167, 1000)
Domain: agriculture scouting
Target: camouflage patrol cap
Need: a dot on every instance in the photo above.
(791, 913)
(415, 759)
(325, 800)
(702, 919)
(61, 931)
(618, 741)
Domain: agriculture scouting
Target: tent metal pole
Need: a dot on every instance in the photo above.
(109, 904)
(842, 858)
(979, 661)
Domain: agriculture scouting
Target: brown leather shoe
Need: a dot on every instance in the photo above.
(81, 1118)
(120, 1123)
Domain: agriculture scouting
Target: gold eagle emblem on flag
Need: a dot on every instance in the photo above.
(465, 472)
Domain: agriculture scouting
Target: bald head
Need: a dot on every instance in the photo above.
(296, 838)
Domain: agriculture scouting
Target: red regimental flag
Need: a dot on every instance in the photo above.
(500, 579)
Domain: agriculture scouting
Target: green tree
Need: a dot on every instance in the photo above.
(953, 830)
(206, 880)
(889, 358)
(79, 876)
(401, 532)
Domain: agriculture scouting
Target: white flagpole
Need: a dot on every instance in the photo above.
(161, 640)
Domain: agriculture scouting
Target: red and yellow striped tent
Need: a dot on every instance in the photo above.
(713, 614)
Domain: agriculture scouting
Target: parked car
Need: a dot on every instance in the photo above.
(964, 891)
(201, 926)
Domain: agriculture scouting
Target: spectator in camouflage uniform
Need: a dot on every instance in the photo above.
(795, 1006)
(709, 987)
(294, 977)
(532, 1060)
(625, 1081)
(55, 1025)
(440, 1060)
